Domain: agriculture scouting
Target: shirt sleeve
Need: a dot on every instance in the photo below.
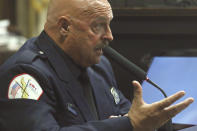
(32, 115)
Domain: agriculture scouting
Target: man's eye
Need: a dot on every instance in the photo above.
(98, 28)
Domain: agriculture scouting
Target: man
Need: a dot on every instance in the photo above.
(60, 80)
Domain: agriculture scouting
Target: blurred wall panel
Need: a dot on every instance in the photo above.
(153, 3)
(1, 8)
(22, 19)
(118, 3)
(7, 10)
(30, 20)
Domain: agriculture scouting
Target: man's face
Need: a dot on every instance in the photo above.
(90, 34)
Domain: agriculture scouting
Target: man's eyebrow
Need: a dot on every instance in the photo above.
(102, 18)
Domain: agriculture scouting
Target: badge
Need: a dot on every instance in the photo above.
(24, 86)
(70, 107)
(115, 95)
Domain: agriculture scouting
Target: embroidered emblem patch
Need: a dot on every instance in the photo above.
(24, 86)
(115, 95)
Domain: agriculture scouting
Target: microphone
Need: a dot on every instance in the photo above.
(129, 66)
(138, 72)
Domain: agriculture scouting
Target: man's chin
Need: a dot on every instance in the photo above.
(96, 60)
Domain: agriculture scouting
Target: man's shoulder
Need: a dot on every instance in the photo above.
(23, 52)
(25, 55)
(27, 60)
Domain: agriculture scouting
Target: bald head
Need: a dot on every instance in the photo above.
(74, 8)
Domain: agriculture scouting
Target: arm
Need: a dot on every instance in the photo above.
(36, 115)
(31, 115)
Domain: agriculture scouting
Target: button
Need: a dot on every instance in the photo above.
(41, 52)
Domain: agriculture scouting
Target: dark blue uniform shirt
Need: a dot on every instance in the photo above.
(52, 99)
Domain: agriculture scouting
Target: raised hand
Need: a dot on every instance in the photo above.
(148, 117)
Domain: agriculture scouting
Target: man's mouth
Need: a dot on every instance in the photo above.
(99, 51)
(99, 48)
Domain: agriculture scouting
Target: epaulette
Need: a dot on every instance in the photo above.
(27, 56)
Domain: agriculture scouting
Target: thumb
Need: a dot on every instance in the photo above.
(137, 99)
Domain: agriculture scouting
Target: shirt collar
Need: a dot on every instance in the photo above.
(75, 69)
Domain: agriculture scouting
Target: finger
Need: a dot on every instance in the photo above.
(115, 116)
(175, 109)
(160, 105)
(126, 114)
(137, 92)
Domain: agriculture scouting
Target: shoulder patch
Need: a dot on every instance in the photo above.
(24, 86)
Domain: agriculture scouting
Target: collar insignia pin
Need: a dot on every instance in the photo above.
(115, 95)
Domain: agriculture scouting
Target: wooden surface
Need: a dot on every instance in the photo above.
(139, 11)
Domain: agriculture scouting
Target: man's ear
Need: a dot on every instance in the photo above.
(63, 25)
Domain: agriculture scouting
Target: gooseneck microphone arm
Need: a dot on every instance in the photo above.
(129, 66)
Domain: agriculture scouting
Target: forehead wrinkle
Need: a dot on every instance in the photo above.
(96, 9)
(59, 8)
(80, 9)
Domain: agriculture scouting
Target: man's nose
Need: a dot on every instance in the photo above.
(108, 35)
